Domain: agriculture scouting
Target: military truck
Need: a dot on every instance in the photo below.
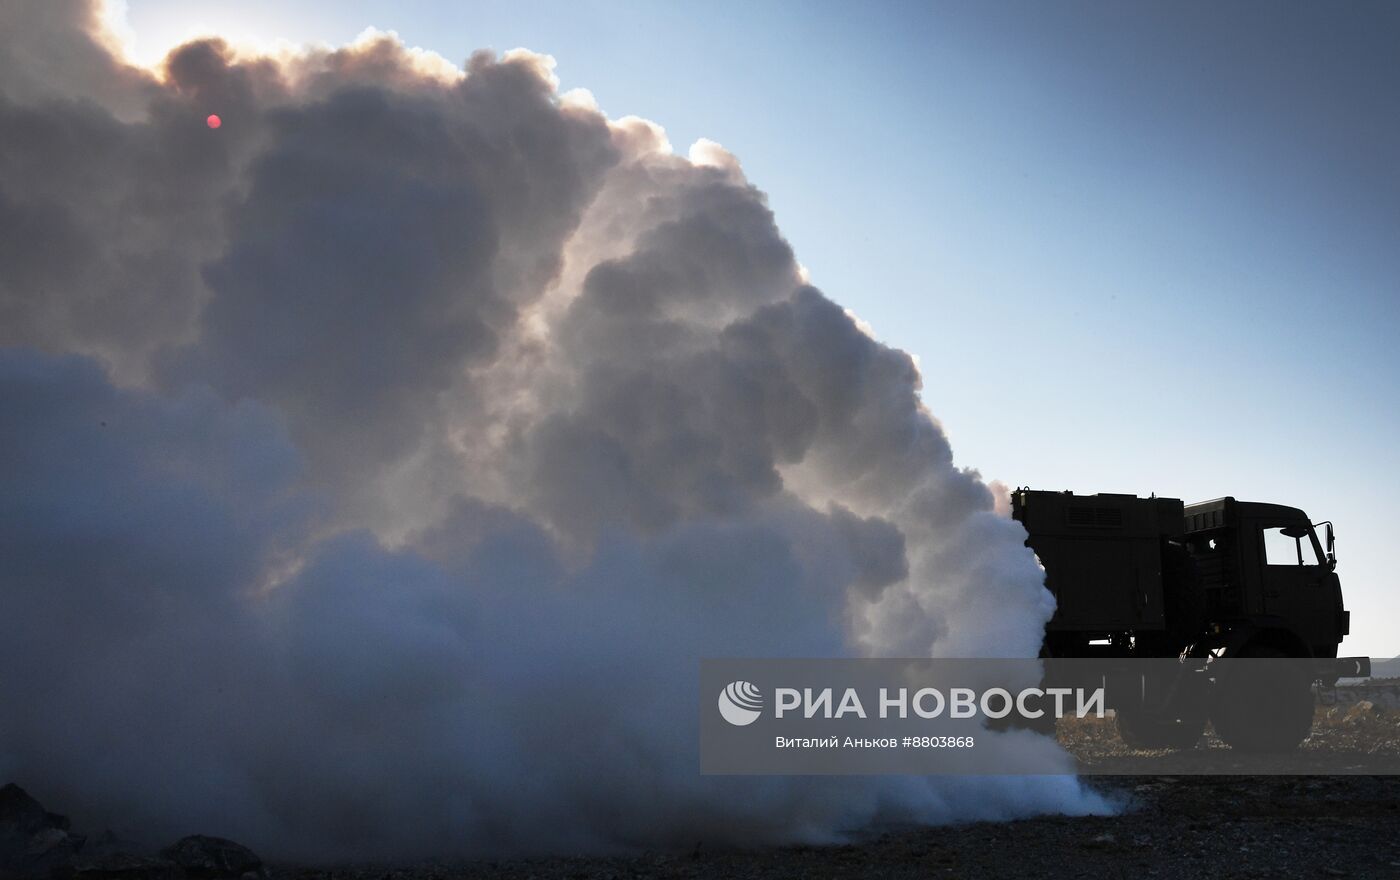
(1238, 604)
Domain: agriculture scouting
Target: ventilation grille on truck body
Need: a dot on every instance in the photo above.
(1210, 519)
(1094, 517)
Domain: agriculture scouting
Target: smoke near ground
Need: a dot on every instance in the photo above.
(375, 469)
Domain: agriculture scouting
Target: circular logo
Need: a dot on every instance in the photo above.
(740, 703)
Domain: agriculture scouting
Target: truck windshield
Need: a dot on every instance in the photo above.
(1282, 549)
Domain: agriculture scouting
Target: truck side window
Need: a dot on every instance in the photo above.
(1281, 549)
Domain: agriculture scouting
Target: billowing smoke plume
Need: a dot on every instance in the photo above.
(375, 469)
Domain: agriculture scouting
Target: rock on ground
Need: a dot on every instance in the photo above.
(35, 843)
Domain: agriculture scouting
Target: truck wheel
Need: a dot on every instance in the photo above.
(1141, 731)
(1262, 707)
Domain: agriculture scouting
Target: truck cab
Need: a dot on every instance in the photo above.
(1266, 564)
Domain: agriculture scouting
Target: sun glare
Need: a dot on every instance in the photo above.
(148, 46)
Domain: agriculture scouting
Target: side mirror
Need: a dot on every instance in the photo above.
(1330, 541)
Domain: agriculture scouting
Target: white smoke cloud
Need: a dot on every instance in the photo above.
(378, 467)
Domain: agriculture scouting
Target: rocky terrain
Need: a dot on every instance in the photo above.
(35, 843)
(1171, 825)
(1356, 739)
(1343, 822)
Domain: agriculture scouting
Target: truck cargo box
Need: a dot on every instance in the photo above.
(1102, 556)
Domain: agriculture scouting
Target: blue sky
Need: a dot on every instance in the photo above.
(1135, 248)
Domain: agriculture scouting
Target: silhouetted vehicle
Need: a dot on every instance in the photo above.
(1213, 589)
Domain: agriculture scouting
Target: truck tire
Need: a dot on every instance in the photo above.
(1141, 731)
(1262, 707)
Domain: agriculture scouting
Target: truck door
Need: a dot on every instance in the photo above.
(1296, 583)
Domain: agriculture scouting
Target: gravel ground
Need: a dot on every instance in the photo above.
(1176, 827)
(1172, 826)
